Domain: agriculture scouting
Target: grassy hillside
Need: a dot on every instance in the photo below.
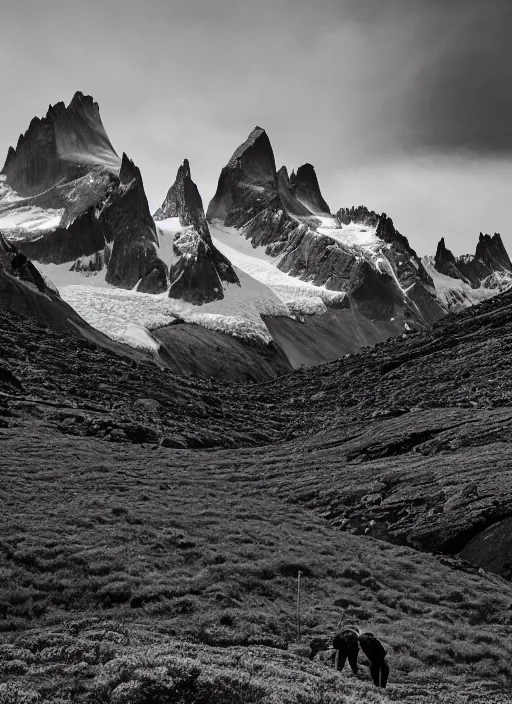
(194, 546)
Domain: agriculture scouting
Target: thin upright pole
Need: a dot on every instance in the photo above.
(298, 604)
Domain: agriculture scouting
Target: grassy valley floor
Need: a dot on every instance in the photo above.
(121, 563)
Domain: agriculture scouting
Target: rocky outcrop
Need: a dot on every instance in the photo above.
(358, 214)
(490, 265)
(200, 271)
(14, 263)
(445, 262)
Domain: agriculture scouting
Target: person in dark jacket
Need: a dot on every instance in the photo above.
(347, 644)
(376, 654)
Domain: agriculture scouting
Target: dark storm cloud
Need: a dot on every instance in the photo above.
(464, 93)
(456, 92)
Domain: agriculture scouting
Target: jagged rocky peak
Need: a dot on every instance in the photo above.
(360, 215)
(11, 153)
(443, 256)
(255, 155)
(89, 205)
(299, 193)
(64, 144)
(305, 187)
(134, 259)
(200, 271)
(129, 172)
(446, 263)
(490, 266)
(247, 184)
(184, 202)
(491, 250)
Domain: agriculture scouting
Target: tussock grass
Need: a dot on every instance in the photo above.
(215, 564)
(102, 662)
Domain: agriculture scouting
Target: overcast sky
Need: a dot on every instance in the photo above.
(402, 105)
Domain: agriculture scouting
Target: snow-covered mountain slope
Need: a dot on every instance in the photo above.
(130, 316)
(455, 294)
(23, 219)
(299, 297)
(25, 291)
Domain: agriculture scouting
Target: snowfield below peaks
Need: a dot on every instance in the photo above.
(353, 235)
(232, 238)
(300, 297)
(30, 219)
(129, 316)
(456, 294)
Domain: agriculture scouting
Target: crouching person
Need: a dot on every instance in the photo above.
(347, 644)
(376, 654)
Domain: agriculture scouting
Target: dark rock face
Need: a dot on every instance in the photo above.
(492, 547)
(184, 201)
(201, 270)
(492, 252)
(128, 223)
(305, 188)
(85, 236)
(247, 184)
(65, 161)
(288, 203)
(445, 262)
(490, 258)
(62, 145)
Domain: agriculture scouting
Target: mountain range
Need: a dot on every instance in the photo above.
(269, 270)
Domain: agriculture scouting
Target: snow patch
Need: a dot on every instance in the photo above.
(300, 297)
(167, 230)
(232, 237)
(352, 235)
(30, 220)
(456, 294)
(61, 276)
(137, 336)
